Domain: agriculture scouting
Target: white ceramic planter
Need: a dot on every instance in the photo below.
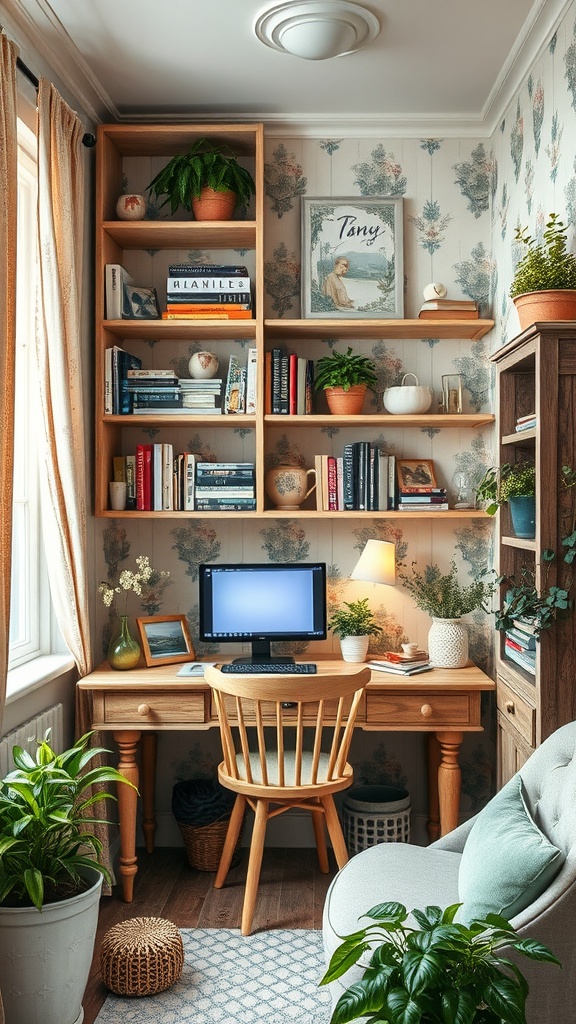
(354, 648)
(45, 958)
(448, 643)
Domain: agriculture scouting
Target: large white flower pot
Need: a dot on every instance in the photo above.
(354, 648)
(448, 643)
(45, 958)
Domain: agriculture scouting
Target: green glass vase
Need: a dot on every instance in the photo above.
(123, 650)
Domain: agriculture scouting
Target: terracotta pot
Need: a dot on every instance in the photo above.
(212, 205)
(535, 307)
(287, 486)
(346, 403)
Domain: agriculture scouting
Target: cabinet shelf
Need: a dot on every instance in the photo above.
(183, 419)
(304, 330)
(434, 420)
(522, 543)
(181, 330)
(181, 234)
(468, 513)
(526, 437)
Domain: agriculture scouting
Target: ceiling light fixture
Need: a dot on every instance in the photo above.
(317, 29)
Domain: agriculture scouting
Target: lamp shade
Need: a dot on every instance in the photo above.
(377, 563)
(317, 29)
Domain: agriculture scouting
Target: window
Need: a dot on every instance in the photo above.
(30, 616)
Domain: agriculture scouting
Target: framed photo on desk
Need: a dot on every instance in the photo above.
(165, 639)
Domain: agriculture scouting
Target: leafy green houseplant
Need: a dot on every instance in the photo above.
(344, 377)
(204, 166)
(354, 619)
(45, 811)
(546, 267)
(442, 595)
(441, 972)
(498, 485)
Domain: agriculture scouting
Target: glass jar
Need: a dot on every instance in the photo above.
(123, 650)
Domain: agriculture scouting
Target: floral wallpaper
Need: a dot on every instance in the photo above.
(462, 200)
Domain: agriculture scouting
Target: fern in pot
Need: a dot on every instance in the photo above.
(544, 283)
(207, 179)
(345, 377)
(354, 624)
(446, 600)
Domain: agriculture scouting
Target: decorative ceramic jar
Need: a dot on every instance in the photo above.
(287, 486)
(354, 648)
(123, 651)
(523, 514)
(203, 365)
(448, 643)
(131, 207)
(408, 399)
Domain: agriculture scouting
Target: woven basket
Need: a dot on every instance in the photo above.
(141, 956)
(204, 844)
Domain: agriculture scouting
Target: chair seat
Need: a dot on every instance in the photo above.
(306, 761)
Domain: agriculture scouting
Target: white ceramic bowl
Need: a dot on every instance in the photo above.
(407, 399)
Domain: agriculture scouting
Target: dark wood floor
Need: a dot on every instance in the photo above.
(291, 895)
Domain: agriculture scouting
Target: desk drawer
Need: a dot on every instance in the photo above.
(138, 708)
(289, 714)
(516, 710)
(423, 709)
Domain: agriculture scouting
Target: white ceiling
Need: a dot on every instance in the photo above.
(437, 65)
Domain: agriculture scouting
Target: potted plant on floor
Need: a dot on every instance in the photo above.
(207, 179)
(354, 624)
(446, 600)
(544, 283)
(513, 484)
(50, 880)
(439, 973)
(344, 378)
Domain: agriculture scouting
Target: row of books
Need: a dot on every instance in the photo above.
(401, 664)
(288, 384)
(520, 644)
(363, 478)
(158, 480)
(214, 292)
(129, 389)
(449, 309)
(526, 422)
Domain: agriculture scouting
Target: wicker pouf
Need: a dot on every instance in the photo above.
(141, 957)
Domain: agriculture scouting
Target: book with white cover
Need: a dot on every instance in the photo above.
(115, 279)
(251, 371)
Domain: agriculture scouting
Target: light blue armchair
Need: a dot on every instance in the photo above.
(516, 857)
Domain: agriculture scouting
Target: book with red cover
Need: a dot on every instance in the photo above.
(405, 659)
(144, 477)
(332, 484)
(292, 383)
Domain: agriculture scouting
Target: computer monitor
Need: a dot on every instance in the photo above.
(262, 603)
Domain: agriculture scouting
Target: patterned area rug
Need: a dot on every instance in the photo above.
(268, 978)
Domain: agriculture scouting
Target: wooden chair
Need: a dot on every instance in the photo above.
(259, 716)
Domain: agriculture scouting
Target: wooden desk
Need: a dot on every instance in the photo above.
(134, 706)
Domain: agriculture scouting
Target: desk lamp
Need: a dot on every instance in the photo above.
(377, 563)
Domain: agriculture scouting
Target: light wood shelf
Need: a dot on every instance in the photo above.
(398, 330)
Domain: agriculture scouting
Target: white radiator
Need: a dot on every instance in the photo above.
(26, 736)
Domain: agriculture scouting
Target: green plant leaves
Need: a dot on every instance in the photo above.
(548, 265)
(344, 370)
(205, 165)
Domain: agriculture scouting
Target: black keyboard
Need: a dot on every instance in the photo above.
(271, 668)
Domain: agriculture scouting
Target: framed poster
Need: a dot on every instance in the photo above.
(352, 258)
(165, 639)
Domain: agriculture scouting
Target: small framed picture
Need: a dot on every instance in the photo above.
(165, 639)
(140, 303)
(416, 473)
(352, 258)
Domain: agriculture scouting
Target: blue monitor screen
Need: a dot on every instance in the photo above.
(262, 603)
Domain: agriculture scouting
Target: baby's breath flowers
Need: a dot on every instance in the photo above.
(130, 582)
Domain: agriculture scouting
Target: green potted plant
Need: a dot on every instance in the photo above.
(50, 880)
(544, 283)
(513, 484)
(354, 624)
(441, 972)
(445, 599)
(344, 378)
(207, 179)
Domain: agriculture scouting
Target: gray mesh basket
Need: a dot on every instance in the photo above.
(375, 814)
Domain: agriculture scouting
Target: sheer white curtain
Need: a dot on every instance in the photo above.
(62, 444)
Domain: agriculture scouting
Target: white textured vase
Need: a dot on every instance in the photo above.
(354, 648)
(448, 643)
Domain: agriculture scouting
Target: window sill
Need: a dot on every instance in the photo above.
(36, 673)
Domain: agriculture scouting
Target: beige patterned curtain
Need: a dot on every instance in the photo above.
(8, 209)
(62, 444)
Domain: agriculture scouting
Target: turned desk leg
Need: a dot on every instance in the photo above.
(433, 823)
(449, 780)
(148, 771)
(127, 805)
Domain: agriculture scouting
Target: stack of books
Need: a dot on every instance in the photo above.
(225, 487)
(363, 478)
(520, 645)
(117, 362)
(220, 292)
(449, 309)
(402, 664)
(525, 422)
(289, 384)
(151, 391)
(202, 397)
(422, 499)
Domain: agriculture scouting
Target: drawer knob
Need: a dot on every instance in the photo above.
(426, 711)
(144, 710)
(510, 707)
